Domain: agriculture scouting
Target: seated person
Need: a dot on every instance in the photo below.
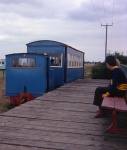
(115, 88)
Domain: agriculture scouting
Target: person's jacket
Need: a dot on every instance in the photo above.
(118, 82)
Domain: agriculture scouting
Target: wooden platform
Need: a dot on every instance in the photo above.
(62, 119)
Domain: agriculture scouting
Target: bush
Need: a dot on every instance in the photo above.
(100, 71)
(122, 58)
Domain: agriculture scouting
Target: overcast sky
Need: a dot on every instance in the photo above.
(74, 22)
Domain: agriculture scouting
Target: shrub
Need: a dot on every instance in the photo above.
(122, 58)
(99, 71)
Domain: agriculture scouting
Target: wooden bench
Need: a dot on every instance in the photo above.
(116, 104)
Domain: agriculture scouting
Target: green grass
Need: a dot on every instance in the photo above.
(5, 107)
(88, 70)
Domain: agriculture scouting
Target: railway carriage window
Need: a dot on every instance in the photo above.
(69, 64)
(74, 61)
(2, 62)
(56, 61)
(23, 62)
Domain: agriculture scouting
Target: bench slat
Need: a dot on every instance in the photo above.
(108, 102)
(115, 102)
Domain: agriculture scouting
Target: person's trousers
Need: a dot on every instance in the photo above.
(98, 99)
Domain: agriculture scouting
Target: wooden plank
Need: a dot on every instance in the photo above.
(49, 142)
(52, 114)
(41, 124)
(47, 106)
(6, 146)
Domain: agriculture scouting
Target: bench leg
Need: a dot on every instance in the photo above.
(113, 128)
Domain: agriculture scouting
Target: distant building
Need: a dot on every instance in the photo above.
(2, 64)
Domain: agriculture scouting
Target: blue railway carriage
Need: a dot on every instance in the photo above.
(26, 73)
(45, 66)
(66, 63)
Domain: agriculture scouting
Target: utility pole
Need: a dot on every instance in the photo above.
(106, 33)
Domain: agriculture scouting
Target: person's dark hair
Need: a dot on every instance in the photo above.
(111, 60)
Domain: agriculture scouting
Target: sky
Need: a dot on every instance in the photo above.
(73, 22)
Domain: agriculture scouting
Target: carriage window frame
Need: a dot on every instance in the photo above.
(55, 57)
(74, 61)
(19, 65)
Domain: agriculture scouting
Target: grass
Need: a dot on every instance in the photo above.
(5, 107)
(4, 100)
(88, 70)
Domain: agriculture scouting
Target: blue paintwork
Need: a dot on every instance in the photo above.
(35, 79)
(56, 74)
(74, 73)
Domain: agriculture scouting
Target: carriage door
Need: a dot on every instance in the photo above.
(56, 72)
